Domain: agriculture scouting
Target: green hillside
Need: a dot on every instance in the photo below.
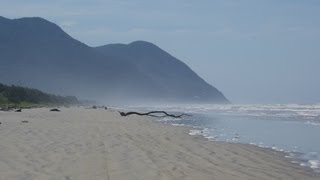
(26, 97)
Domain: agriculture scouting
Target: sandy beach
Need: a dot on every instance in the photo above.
(98, 144)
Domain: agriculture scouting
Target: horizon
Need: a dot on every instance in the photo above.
(253, 52)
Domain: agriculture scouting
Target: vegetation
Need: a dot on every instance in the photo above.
(16, 96)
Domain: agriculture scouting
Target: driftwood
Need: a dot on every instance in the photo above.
(151, 113)
(55, 110)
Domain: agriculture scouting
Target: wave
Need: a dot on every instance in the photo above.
(294, 111)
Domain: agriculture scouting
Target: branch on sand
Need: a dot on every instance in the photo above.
(152, 113)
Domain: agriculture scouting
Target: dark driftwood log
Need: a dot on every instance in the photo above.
(152, 113)
(55, 110)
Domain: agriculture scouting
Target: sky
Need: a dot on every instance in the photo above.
(254, 51)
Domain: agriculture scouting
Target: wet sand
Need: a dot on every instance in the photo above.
(79, 143)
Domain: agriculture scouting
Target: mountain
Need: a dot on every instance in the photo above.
(37, 53)
(175, 78)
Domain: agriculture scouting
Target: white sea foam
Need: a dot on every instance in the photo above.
(211, 137)
(178, 124)
(277, 110)
(314, 164)
(194, 132)
(313, 123)
(303, 164)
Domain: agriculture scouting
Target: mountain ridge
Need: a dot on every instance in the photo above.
(40, 54)
(135, 51)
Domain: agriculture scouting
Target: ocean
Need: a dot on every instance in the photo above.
(291, 128)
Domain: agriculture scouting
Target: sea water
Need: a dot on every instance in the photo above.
(291, 128)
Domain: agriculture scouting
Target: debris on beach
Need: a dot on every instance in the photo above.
(152, 113)
(55, 110)
(24, 121)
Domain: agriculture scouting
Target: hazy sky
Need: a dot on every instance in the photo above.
(254, 51)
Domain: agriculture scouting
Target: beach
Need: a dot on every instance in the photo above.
(79, 143)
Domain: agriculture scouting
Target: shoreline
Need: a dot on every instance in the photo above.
(287, 155)
(79, 143)
(284, 155)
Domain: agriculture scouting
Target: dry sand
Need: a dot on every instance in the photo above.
(90, 144)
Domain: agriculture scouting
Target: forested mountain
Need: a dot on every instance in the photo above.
(39, 54)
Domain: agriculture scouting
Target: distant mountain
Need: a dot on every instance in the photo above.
(37, 53)
(176, 79)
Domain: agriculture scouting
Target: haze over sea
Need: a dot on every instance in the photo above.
(291, 128)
